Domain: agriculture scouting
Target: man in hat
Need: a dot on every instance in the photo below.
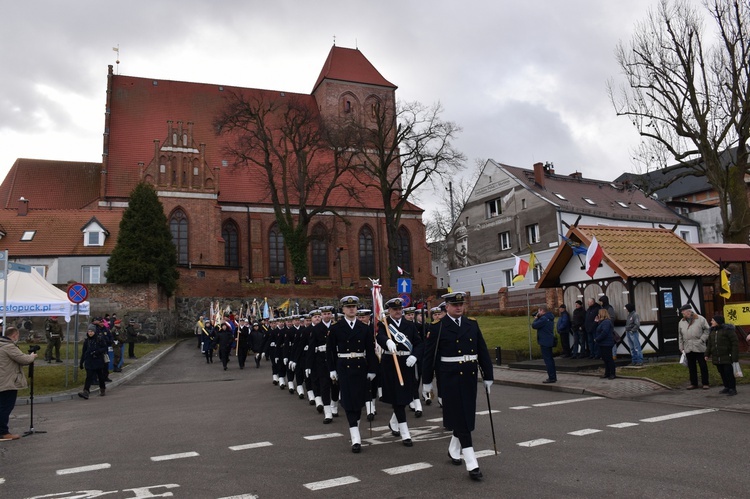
(456, 349)
(693, 332)
(132, 336)
(317, 363)
(208, 337)
(351, 357)
(298, 353)
(243, 341)
(403, 346)
(54, 339)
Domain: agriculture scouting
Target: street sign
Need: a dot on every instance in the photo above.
(406, 298)
(19, 267)
(403, 285)
(77, 292)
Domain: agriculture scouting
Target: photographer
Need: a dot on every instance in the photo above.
(12, 378)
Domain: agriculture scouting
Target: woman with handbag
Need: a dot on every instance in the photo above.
(722, 348)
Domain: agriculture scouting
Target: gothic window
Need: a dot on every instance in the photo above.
(404, 250)
(276, 257)
(231, 244)
(319, 253)
(178, 225)
(366, 253)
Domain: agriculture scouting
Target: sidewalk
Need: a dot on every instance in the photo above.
(625, 388)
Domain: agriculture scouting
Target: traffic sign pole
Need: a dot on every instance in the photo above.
(77, 293)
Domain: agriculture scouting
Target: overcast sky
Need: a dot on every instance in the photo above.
(525, 80)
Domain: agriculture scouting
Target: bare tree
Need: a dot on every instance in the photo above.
(439, 221)
(285, 143)
(688, 97)
(401, 148)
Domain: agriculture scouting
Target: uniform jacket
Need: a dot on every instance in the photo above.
(53, 330)
(352, 372)
(545, 329)
(11, 361)
(693, 334)
(722, 345)
(393, 392)
(257, 339)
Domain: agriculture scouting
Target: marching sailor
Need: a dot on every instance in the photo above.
(317, 363)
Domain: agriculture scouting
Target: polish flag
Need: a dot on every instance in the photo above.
(594, 257)
(520, 269)
(400, 270)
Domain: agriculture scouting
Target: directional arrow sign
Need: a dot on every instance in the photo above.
(403, 285)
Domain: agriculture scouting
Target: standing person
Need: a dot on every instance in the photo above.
(544, 323)
(351, 357)
(243, 342)
(406, 344)
(590, 325)
(456, 349)
(722, 348)
(257, 339)
(632, 331)
(208, 338)
(199, 330)
(12, 379)
(118, 345)
(693, 333)
(132, 337)
(53, 332)
(92, 359)
(579, 332)
(605, 338)
(317, 363)
(604, 302)
(563, 329)
(225, 338)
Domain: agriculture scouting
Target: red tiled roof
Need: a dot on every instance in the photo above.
(58, 232)
(51, 184)
(350, 65)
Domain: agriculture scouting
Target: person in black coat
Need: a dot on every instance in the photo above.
(92, 359)
(544, 323)
(401, 343)
(317, 363)
(456, 349)
(350, 349)
(256, 342)
(208, 338)
(224, 339)
(590, 325)
(243, 342)
(579, 332)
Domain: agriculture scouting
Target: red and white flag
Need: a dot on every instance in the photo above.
(400, 270)
(520, 269)
(594, 257)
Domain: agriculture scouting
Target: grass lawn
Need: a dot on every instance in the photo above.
(50, 378)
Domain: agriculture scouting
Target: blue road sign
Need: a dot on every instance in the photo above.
(406, 298)
(19, 267)
(77, 292)
(403, 285)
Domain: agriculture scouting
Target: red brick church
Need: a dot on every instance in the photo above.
(221, 218)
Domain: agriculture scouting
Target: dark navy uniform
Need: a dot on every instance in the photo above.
(317, 362)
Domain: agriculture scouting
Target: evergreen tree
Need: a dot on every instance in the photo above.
(144, 252)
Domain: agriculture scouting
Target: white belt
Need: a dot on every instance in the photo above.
(306, 347)
(400, 353)
(321, 348)
(460, 358)
(273, 343)
(353, 355)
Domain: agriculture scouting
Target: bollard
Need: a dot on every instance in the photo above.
(499, 356)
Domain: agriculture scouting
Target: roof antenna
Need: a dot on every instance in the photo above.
(334, 40)
(117, 61)
(356, 44)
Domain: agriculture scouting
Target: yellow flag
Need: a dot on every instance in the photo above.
(450, 290)
(726, 291)
(532, 260)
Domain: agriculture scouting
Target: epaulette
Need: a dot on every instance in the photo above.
(472, 319)
(436, 321)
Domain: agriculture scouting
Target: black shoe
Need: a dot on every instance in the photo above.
(725, 390)
(312, 402)
(225, 368)
(548, 380)
(242, 367)
(335, 414)
(49, 361)
(395, 433)
(356, 448)
(417, 414)
(118, 370)
(301, 396)
(58, 361)
(408, 443)
(428, 401)
(612, 377)
(476, 475)
(84, 394)
(319, 408)
(731, 392)
(327, 421)
(108, 380)
(370, 417)
(604, 376)
(275, 382)
(455, 462)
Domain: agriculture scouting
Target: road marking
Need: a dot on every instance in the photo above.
(324, 435)
(250, 446)
(407, 468)
(484, 453)
(677, 415)
(333, 482)
(484, 413)
(169, 457)
(534, 443)
(381, 428)
(434, 420)
(581, 433)
(622, 425)
(519, 407)
(570, 401)
(82, 469)
(2, 481)
(242, 496)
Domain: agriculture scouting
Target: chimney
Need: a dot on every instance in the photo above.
(576, 175)
(539, 174)
(23, 207)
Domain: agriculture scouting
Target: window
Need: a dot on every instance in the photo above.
(508, 277)
(590, 201)
(90, 274)
(536, 273)
(276, 257)
(231, 244)
(639, 205)
(40, 269)
(560, 196)
(366, 252)
(532, 233)
(493, 208)
(28, 235)
(523, 204)
(504, 239)
(685, 235)
(348, 106)
(622, 204)
(178, 225)
(319, 250)
(162, 168)
(404, 250)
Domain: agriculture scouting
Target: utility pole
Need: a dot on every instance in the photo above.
(450, 192)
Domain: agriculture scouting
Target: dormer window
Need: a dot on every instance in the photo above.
(94, 234)
(28, 235)
(590, 201)
(621, 203)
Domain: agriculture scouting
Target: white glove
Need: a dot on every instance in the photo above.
(391, 346)
(488, 384)
(334, 376)
(426, 389)
(370, 376)
(308, 372)
(286, 361)
(410, 361)
(292, 365)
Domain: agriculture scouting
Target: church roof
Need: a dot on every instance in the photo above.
(350, 65)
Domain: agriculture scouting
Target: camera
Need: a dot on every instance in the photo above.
(34, 348)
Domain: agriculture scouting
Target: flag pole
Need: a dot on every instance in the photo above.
(528, 314)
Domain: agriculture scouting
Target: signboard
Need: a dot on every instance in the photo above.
(403, 285)
(737, 313)
(405, 298)
(77, 292)
(19, 267)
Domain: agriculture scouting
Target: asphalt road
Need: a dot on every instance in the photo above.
(188, 429)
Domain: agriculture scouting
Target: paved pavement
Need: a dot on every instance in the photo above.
(583, 383)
